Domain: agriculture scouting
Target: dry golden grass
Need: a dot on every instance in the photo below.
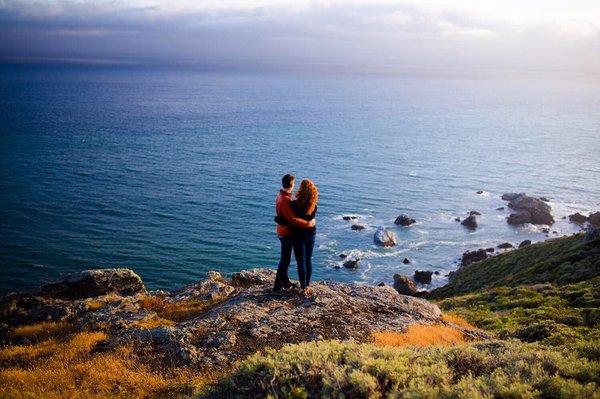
(175, 311)
(73, 369)
(42, 331)
(456, 319)
(153, 322)
(420, 335)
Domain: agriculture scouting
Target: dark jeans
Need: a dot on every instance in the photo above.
(282, 279)
(303, 250)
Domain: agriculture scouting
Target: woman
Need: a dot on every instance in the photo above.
(305, 207)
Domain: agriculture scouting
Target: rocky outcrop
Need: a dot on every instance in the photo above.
(404, 285)
(385, 238)
(91, 283)
(404, 220)
(351, 264)
(505, 245)
(527, 210)
(221, 321)
(470, 222)
(474, 256)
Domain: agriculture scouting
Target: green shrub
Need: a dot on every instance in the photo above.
(332, 369)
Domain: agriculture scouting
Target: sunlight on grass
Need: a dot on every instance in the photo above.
(175, 311)
(42, 331)
(420, 335)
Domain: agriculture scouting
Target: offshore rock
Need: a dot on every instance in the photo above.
(474, 256)
(527, 210)
(404, 285)
(385, 238)
(404, 220)
(470, 222)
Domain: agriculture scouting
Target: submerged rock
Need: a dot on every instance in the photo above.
(404, 220)
(404, 285)
(385, 238)
(422, 276)
(470, 222)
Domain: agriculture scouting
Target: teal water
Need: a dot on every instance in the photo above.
(174, 173)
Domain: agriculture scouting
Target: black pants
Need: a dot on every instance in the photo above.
(282, 279)
(303, 250)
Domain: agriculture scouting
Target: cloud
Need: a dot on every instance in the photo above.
(361, 33)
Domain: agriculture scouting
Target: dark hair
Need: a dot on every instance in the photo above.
(287, 180)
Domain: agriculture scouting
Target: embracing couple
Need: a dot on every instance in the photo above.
(296, 231)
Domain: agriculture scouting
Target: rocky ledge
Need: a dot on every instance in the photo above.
(216, 321)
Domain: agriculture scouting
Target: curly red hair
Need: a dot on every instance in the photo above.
(307, 196)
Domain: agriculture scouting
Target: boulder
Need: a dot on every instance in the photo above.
(247, 278)
(474, 256)
(422, 276)
(578, 218)
(594, 219)
(528, 210)
(404, 220)
(505, 245)
(511, 196)
(480, 192)
(92, 283)
(358, 227)
(385, 238)
(524, 243)
(475, 213)
(470, 222)
(351, 264)
(406, 261)
(348, 217)
(404, 285)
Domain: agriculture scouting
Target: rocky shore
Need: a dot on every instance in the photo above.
(216, 321)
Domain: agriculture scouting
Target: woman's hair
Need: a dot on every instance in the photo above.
(307, 196)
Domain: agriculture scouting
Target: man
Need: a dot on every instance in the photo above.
(286, 222)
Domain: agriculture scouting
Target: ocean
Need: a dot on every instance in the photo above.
(174, 172)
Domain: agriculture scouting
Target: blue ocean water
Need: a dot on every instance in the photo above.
(174, 172)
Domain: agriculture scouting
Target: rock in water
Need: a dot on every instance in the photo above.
(511, 196)
(92, 283)
(476, 213)
(524, 243)
(528, 210)
(474, 256)
(351, 264)
(404, 285)
(505, 245)
(470, 222)
(422, 276)
(348, 217)
(358, 227)
(406, 261)
(578, 218)
(404, 220)
(479, 191)
(594, 219)
(385, 238)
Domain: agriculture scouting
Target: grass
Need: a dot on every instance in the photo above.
(558, 261)
(335, 369)
(41, 331)
(567, 316)
(76, 368)
(420, 335)
(175, 311)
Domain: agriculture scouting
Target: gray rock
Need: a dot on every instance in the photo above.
(91, 283)
(511, 196)
(476, 213)
(505, 245)
(479, 192)
(348, 217)
(406, 261)
(404, 220)
(470, 222)
(247, 278)
(385, 238)
(594, 219)
(404, 285)
(358, 227)
(351, 264)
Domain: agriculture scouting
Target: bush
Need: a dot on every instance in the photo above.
(347, 370)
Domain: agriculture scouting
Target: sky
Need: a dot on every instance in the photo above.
(555, 35)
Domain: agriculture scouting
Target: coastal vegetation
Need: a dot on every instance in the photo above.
(521, 324)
